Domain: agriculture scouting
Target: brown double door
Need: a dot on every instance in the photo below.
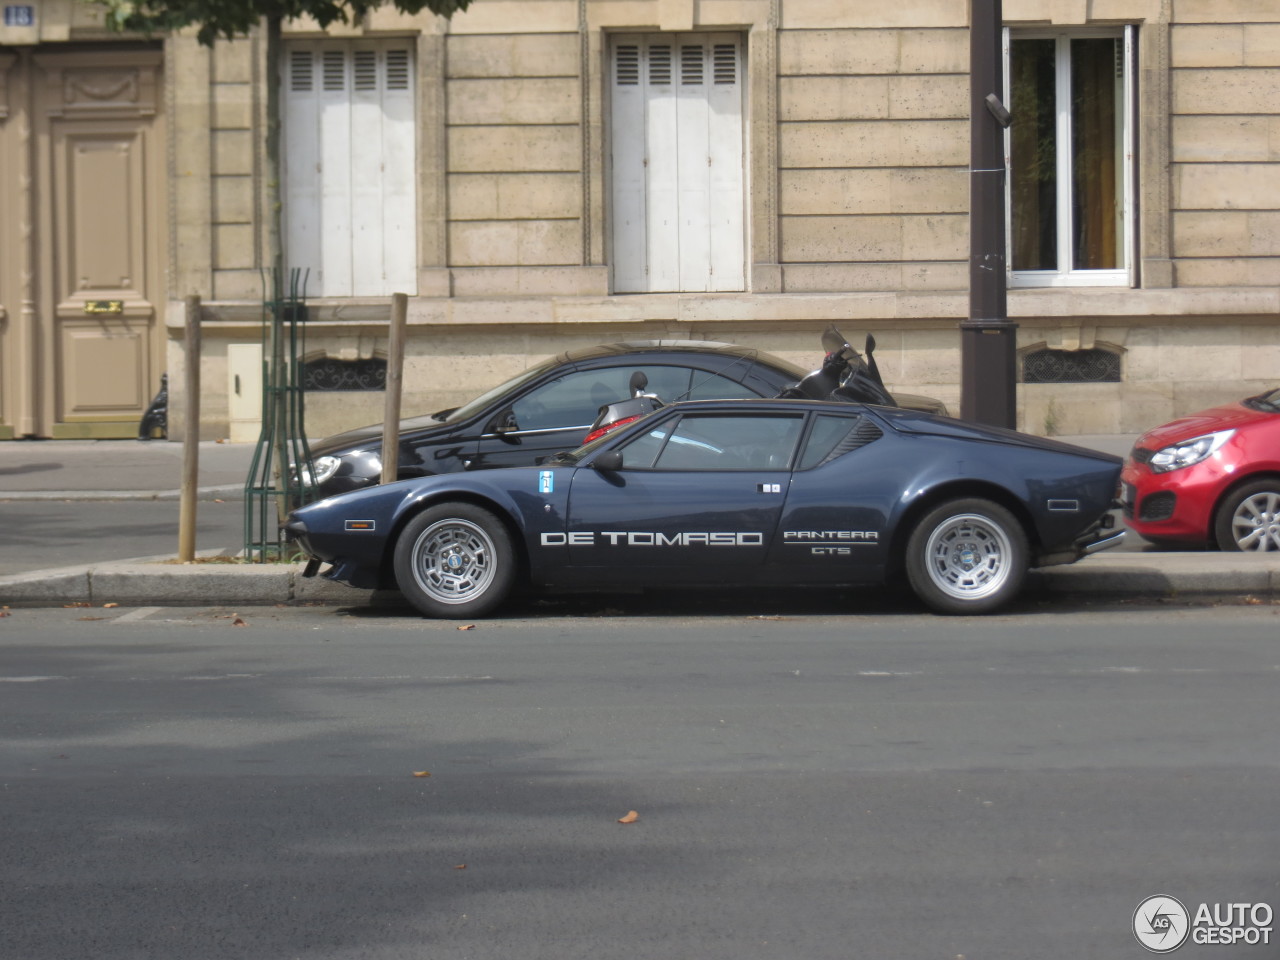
(82, 239)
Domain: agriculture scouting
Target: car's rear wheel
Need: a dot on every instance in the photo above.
(967, 556)
(1249, 519)
(455, 560)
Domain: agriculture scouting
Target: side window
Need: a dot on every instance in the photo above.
(712, 386)
(725, 442)
(574, 399)
(571, 400)
(833, 436)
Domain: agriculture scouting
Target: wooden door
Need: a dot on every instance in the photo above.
(96, 253)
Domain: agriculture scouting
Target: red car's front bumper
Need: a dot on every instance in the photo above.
(1177, 505)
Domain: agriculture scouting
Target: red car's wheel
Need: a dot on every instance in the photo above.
(1249, 519)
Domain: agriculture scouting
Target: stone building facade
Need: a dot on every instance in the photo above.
(543, 174)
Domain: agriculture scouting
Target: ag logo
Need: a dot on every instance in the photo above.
(1161, 924)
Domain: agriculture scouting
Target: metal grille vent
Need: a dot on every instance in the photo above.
(301, 71)
(659, 65)
(725, 63)
(1071, 366)
(691, 69)
(334, 70)
(863, 433)
(366, 70)
(627, 66)
(397, 69)
(328, 375)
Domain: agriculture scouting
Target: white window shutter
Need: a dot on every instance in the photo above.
(301, 192)
(350, 168)
(678, 181)
(630, 270)
(662, 216)
(694, 158)
(728, 246)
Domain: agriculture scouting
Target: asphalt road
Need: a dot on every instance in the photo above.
(197, 784)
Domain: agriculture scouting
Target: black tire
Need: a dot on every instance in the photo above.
(455, 561)
(1249, 519)
(967, 556)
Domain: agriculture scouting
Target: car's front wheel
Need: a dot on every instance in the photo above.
(1249, 519)
(967, 556)
(455, 560)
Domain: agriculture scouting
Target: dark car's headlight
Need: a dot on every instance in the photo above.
(1189, 452)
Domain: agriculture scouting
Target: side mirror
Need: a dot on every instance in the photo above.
(608, 462)
(504, 422)
(637, 383)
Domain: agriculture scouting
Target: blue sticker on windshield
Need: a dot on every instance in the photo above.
(546, 481)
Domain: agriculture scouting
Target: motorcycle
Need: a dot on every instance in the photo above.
(844, 376)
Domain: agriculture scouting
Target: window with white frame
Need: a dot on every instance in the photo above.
(1070, 157)
(349, 166)
(677, 172)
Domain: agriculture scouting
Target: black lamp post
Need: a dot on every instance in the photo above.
(988, 341)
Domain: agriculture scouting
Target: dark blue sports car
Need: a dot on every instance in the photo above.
(733, 492)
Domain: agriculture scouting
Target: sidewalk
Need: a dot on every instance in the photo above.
(98, 470)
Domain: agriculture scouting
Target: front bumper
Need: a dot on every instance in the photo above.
(1170, 506)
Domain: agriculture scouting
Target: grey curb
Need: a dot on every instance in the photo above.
(161, 581)
(228, 492)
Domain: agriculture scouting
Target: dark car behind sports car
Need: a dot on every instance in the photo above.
(550, 407)
(766, 492)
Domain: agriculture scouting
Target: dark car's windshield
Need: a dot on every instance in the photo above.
(1268, 402)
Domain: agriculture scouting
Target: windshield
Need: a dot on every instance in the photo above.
(473, 407)
(1268, 402)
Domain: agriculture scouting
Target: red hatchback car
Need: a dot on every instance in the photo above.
(1212, 477)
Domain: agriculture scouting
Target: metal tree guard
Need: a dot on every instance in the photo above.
(281, 470)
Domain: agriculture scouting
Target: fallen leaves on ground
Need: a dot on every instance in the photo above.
(237, 622)
(108, 606)
(467, 626)
(78, 603)
(422, 773)
(631, 817)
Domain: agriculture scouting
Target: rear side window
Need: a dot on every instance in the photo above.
(834, 436)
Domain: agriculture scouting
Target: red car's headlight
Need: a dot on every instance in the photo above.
(1189, 452)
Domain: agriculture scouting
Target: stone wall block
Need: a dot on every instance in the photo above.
(1232, 92)
(1262, 45)
(232, 106)
(929, 98)
(833, 98)
(512, 149)
(1225, 139)
(836, 239)
(507, 55)
(904, 13)
(516, 16)
(233, 199)
(232, 152)
(935, 238)
(1227, 186)
(528, 100)
(233, 61)
(1214, 45)
(889, 143)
